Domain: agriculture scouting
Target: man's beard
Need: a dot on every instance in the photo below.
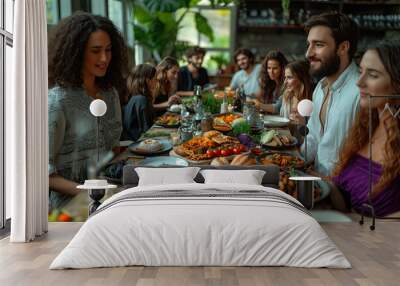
(329, 67)
(195, 65)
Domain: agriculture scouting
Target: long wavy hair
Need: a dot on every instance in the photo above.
(163, 85)
(137, 81)
(266, 83)
(300, 71)
(66, 51)
(358, 137)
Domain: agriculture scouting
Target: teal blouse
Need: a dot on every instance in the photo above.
(72, 133)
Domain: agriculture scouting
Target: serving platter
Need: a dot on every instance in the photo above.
(192, 162)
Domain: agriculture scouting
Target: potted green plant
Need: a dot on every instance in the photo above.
(220, 61)
(157, 24)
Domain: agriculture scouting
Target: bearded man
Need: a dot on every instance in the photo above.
(332, 42)
(248, 75)
(192, 74)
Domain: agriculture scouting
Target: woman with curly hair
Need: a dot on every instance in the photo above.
(166, 77)
(87, 58)
(380, 76)
(297, 86)
(138, 113)
(271, 81)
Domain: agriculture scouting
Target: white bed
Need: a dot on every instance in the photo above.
(205, 230)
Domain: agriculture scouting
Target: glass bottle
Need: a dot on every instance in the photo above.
(197, 92)
(224, 104)
(239, 99)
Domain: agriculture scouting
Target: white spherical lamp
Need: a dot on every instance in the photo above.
(98, 107)
(305, 107)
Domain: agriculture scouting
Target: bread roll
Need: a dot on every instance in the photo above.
(219, 161)
(212, 133)
(243, 160)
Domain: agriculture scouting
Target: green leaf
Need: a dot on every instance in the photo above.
(169, 21)
(141, 37)
(203, 27)
(192, 3)
(164, 5)
(141, 14)
(223, 2)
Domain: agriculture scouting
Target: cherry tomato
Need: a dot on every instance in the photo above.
(225, 152)
(242, 148)
(236, 150)
(217, 152)
(256, 151)
(210, 153)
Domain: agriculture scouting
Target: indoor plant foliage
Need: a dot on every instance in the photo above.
(285, 9)
(157, 24)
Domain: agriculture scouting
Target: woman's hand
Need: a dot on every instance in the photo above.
(296, 118)
(174, 99)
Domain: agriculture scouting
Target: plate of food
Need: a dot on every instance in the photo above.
(283, 160)
(169, 120)
(160, 161)
(202, 149)
(275, 121)
(223, 122)
(276, 140)
(151, 146)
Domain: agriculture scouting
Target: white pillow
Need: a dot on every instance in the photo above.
(166, 176)
(248, 177)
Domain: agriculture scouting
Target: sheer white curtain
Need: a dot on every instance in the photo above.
(26, 123)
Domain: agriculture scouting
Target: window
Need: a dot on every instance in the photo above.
(219, 50)
(6, 43)
(117, 11)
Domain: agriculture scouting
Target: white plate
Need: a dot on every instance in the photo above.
(275, 121)
(165, 146)
(305, 178)
(160, 161)
(177, 108)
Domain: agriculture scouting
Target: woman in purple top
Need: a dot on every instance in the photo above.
(379, 76)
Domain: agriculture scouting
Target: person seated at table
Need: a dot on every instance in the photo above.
(166, 76)
(138, 113)
(271, 81)
(380, 76)
(332, 42)
(248, 75)
(297, 86)
(87, 56)
(192, 74)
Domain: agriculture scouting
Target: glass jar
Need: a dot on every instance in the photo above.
(206, 122)
(185, 133)
(254, 118)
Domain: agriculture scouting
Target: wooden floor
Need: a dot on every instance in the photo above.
(375, 257)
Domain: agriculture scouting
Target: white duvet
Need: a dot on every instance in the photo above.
(200, 231)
